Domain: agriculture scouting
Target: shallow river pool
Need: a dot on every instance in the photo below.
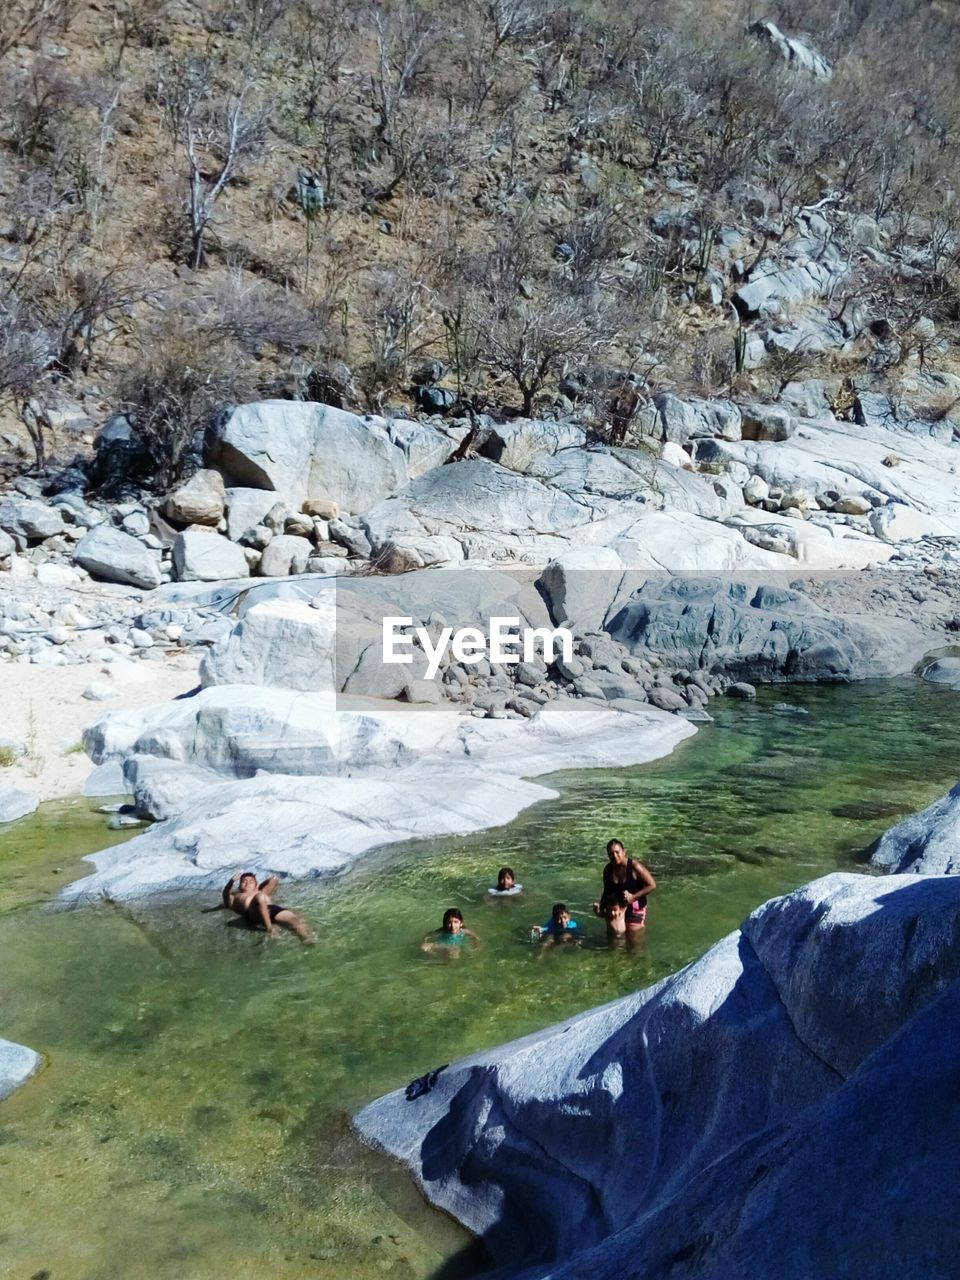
(193, 1117)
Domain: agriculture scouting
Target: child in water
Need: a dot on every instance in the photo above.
(506, 884)
(613, 908)
(451, 933)
(558, 926)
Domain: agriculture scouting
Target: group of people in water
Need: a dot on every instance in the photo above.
(627, 884)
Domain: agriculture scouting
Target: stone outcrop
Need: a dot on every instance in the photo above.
(927, 843)
(328, 784)
(733, 1119)
(307, 451)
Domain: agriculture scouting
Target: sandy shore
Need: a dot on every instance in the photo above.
(44, 708)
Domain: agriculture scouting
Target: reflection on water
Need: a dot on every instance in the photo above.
(194, 1119)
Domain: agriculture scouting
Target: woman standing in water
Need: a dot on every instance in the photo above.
(629, 877)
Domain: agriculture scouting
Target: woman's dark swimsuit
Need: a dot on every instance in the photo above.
(631, 883)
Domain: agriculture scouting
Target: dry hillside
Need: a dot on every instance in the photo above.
(523, 204)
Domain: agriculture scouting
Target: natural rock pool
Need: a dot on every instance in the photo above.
(193, 1120)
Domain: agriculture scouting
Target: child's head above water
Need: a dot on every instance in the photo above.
(560, 915)
(505, 878)
(617, 903)
(452, 920)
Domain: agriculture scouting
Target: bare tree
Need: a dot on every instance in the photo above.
(25, 351)
(403, 39)
(218, 135)
(532, 342)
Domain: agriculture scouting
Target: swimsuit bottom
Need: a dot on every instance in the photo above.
(637, 918)
(253, 917)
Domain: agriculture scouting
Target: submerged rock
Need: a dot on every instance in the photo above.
(17, 1065)
(725, 1121)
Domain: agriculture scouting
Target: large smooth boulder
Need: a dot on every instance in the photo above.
(279, 643)
(767, 422)
(943, 671)
(199, 556)
(29, 519)
(15, 803)
(116, 556)
(759, 631)
(732, 1120)
(289, 825)
(17, 1065)
(474, 510)
(307, 451)
(927, 843)
(199, 501)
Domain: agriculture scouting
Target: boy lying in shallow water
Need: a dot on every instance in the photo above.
(252, 901)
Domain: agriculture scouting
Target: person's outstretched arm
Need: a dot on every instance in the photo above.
(269, 886)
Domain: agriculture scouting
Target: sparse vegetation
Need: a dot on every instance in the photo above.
(526, 190)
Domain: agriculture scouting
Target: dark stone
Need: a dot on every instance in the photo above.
(430, 371)
(435, 399)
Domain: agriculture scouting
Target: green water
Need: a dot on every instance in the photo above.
(193, 1119)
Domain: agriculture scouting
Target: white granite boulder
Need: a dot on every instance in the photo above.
(280, 643)
(16, 803)
(29, 519)
(199, 556)
(305, 451)
(115, 556)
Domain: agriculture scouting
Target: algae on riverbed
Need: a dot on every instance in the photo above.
(194, 1116)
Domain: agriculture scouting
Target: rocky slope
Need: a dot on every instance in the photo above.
(757, 1113)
